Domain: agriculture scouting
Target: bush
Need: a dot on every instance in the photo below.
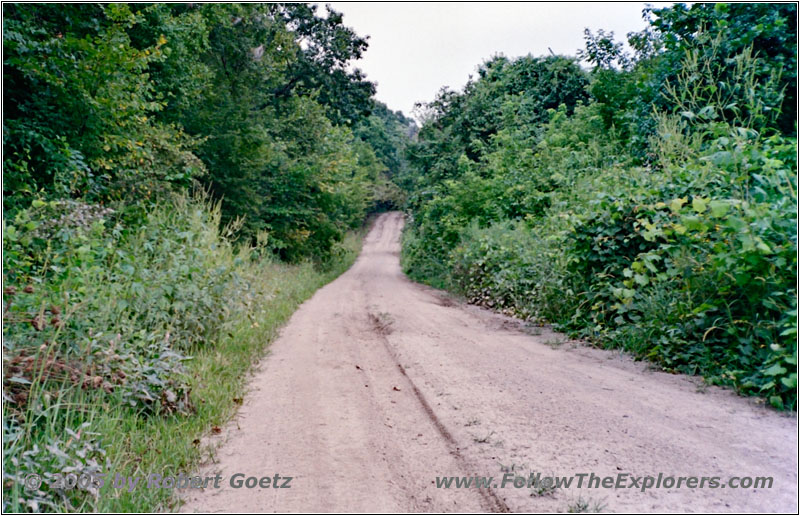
(512, 269)
(688, 260)
(100, 314)
(692, 266)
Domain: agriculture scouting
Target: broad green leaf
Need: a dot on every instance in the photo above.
(790, 381)
(677, 204)
(718, 208)
(699, 204)
(762, 246)
(775, 370)
(693, 223)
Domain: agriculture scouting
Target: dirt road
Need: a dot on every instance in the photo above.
(378, 385)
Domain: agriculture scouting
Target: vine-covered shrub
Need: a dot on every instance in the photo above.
(508, 267)
(658, 216)
(693, 268)
(700, 276)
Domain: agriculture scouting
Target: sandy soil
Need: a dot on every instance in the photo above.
(378, 385)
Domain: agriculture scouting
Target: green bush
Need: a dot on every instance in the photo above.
(510, 268)
(676, 243)
(125, 296)
(99, 314)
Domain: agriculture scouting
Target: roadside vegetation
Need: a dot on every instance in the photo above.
(642, 199)
(177, 179)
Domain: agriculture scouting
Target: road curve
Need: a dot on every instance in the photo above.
(378, 385)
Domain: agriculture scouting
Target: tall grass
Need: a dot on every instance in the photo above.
(124, 342)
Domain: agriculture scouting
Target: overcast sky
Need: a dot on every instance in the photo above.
(416, 48)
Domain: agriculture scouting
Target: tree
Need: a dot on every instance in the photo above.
(325, 49)
(769, 29)
(80, 117)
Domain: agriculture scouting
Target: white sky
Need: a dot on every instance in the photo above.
(416, 48)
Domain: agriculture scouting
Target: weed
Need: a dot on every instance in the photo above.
(555, 342)
(544, 488)
(382, 322)
(484, 439)
(580, 505)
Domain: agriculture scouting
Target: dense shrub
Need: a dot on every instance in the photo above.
(257, 102)
(101, 314)
(677, 243)
(510, 268)
(693, 268)
(117, 281)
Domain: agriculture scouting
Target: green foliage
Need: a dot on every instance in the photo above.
(660, 216)
(769, 29)
(508, 267)
(76, 451)
(113, 308)
(717, 39)
(321, 66)
(602, 51)
(694, 270)
(134, 101)
(89, 127)
(100, 316)
(124, 293)
(388, 134)
(459, 124)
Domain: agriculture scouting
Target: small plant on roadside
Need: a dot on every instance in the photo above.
(584, 505)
